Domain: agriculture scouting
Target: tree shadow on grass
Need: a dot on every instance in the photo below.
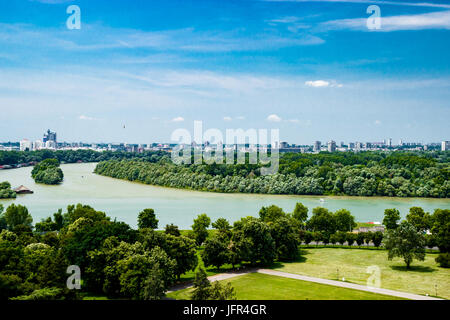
(413, 268)
(279, 264)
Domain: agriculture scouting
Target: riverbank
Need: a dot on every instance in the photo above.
(123, 199)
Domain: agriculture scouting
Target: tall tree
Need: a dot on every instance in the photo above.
(201, 285)
(271, 213)
(300, 212)
(200, 228)
(16, 215)
(322, 220)
(419, 219)
(441, 229)
(147, 219)
(344, 220)
(405, 242)
(391, 218)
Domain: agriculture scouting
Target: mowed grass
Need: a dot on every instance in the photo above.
(352, 264)
(257, 286)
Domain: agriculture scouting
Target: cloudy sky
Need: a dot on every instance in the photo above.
(138, 70)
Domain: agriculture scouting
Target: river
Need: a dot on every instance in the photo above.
(124, 200)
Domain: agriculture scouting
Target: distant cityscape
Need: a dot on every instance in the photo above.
(49, 141)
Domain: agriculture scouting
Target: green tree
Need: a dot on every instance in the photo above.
(3, 224)
(441, 229)
(215, 252)
(47, 172)
(10, 286)
(419, 219)
(377, 237)
(344, 220)
(154, 287)
(271, 213)
(405, 242)
(136, 270)
(254, 241)
(391, 218)
(351, 238)
(300, 212)
(201, 285)
(16, 215)
(44, 266)
(360, 237)
(341, 237)
(221, 292)
(172, 229)
(147, 219)
(307, 237)
(443, 260)
(322, 220)
(200, 228)
(182, 250)
(6, 192)
(222, 225)
(285, 237)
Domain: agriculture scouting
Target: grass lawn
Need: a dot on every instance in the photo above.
(257, 286)
(352, 264)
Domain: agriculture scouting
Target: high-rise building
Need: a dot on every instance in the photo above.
(331, 146)
(317, 146)
(390, 142)
(49, 136)
(37, 145)
(25, 145)
(445, 145)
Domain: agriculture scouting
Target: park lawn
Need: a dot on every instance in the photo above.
(351, 264)
(257, 286)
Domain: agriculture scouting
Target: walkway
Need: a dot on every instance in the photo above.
(348, 285)
(228, 275)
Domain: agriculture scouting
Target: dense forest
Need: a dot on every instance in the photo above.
(73, 156)
(401, 174)
(117, 261)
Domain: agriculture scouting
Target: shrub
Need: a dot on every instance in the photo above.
(444, 260)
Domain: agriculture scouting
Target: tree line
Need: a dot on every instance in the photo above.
(121, 262)
(73, 156)
(366, 174)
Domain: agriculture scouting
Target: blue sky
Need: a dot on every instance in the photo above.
(310, 68)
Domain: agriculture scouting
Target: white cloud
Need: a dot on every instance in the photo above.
(240, 118)
(382, 2)
(227, 118)
(322, 84)
(433, 20)
(84, 117)
(274, 118)
(377, 122)
(317, 83)
(178, 119)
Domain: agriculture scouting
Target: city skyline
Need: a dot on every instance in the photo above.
(309, 68)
